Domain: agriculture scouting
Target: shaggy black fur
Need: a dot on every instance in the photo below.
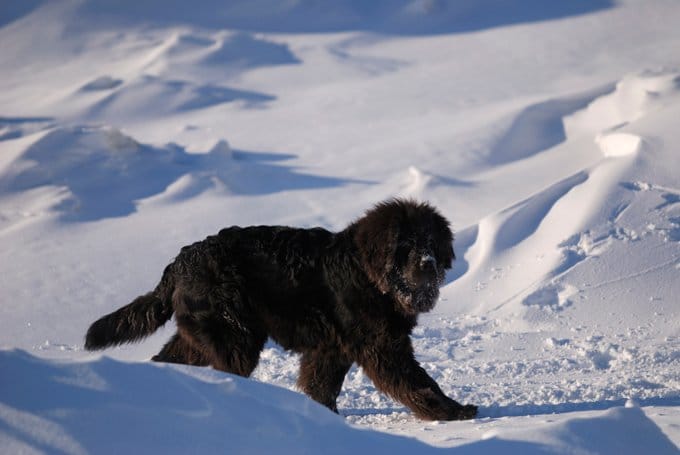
(336, 298)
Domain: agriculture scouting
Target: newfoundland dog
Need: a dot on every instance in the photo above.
(335, 298)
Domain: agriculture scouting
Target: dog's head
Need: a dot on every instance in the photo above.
(405, 248)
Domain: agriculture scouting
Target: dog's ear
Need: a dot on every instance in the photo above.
(376, 240)
(444, 238)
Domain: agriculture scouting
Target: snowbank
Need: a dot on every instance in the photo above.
(545, 131)
(107, 406)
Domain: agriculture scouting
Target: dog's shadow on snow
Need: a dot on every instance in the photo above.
(101, 173)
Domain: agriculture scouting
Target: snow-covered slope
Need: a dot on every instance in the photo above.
(545, 131)
(105, 406)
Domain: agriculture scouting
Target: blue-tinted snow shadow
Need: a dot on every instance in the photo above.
(397, 17)
(12, 10)
(620, 430)
(86, 407)
(168, 96)
(561, 408)
(16, 127)
(249, 51)
(21, 120)
(540, 126)
(219, 59)
(106, 172)
(463, 241)
(493, 412)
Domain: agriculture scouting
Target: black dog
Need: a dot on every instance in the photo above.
(336, 298)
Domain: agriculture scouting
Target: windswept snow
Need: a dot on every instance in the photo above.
(105, 406)
(545, 131)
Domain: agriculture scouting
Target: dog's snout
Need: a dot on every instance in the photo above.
(427, 262)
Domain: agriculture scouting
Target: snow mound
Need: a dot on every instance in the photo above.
(635, 96)
(107, 406)
(165, 96)
(93, 161)
(415, 182)
(622, 430)
(557, 167)
(619, 144)
(214, 56)
(541, 126)
(101, 172)
(580, 218)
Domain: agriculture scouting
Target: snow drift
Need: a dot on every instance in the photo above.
(105, 406)
(546, 131)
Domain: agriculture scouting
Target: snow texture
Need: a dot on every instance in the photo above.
(545, 131)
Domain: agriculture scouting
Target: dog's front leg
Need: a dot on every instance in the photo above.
(392, 367)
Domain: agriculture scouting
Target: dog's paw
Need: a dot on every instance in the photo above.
(467, 412)
(459, 412)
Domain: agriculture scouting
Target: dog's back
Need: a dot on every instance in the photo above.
(278, 267)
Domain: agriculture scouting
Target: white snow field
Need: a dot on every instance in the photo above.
(547, 132)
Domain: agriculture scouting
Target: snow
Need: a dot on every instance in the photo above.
(545, 131)
(106, 406)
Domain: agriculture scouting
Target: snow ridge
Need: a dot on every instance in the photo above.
(545, 131)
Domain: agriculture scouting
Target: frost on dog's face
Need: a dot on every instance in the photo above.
(406, 249)
(423, 254)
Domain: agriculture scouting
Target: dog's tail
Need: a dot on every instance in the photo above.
(136, 320)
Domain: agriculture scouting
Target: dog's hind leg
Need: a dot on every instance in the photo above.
(221, 328)
(177, 350)
(226, 346)
(322, 372)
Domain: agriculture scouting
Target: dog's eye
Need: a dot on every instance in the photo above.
(446, 257)
(404, 245)
(402, 252)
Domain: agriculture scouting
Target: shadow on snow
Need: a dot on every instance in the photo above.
(106, 172)
(397, 17)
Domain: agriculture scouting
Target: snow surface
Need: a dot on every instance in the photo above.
(545, 131)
